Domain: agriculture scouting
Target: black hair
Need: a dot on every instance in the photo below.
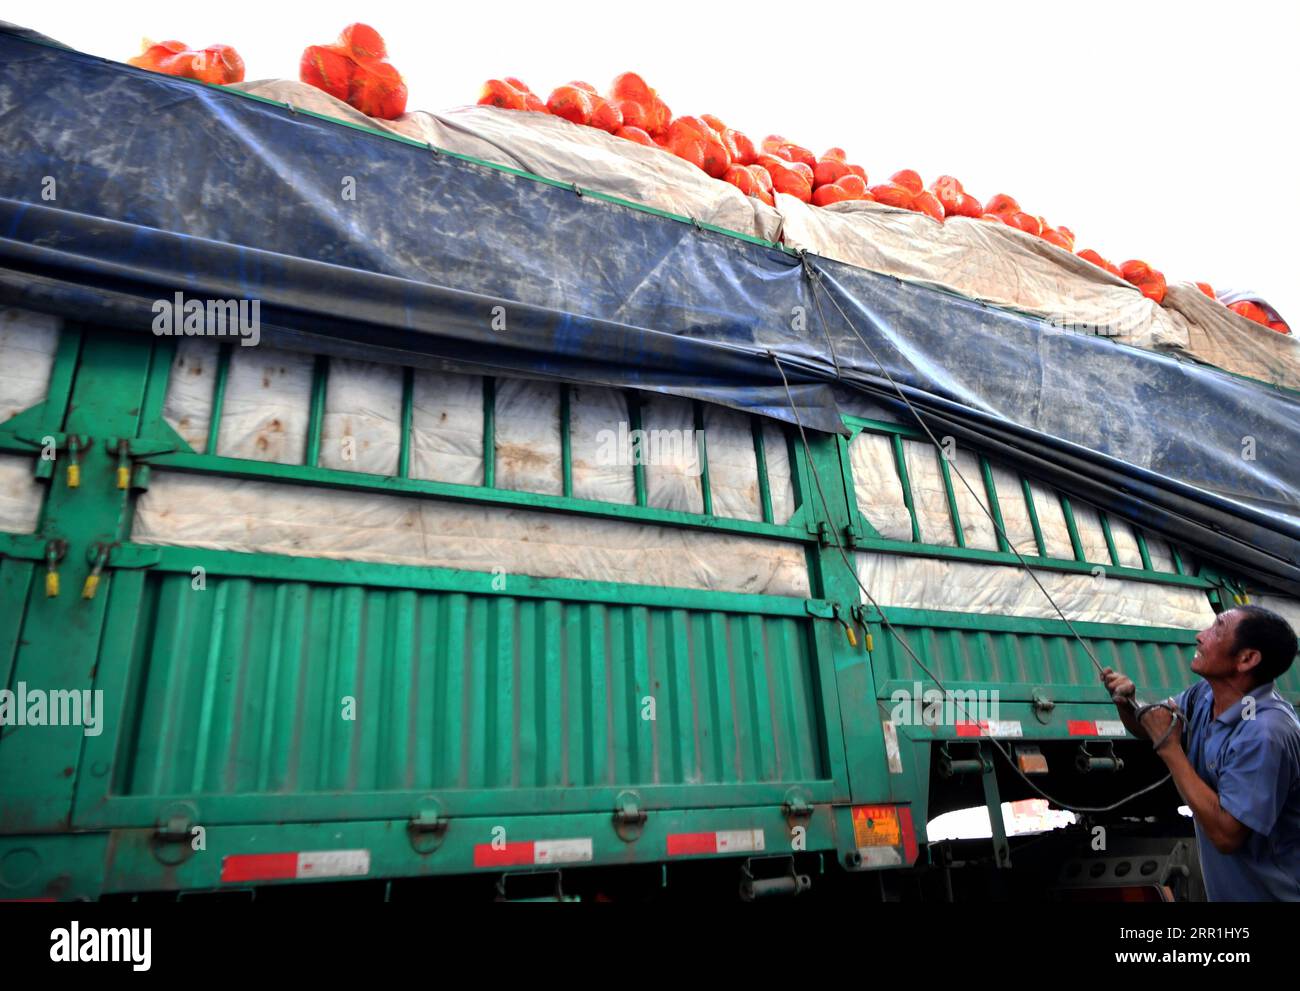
(1270, 634)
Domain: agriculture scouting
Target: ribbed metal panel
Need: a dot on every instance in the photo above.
(240, 688)
(1016, 662)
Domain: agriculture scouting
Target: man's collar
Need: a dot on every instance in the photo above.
(1233, 713)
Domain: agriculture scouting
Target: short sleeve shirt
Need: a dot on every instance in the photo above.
(1250, 755)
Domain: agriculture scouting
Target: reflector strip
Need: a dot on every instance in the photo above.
(1111, 728)
(990, 727)
(245, 867)
(909, 834)
(722, 841)
(892, 754)
(1082, 727)
(528, 852)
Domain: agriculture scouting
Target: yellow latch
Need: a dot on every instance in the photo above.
(74, 466)
(54, 552)
(123, 465)
(91, 585)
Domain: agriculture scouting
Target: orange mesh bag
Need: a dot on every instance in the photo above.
(909, 180)
(1147, 279)
(356, 70)
(218, 64)
(891, 194)
(499, 93)
(927, 203)
(1002, 203)
(829, 170)
(605, 115)
(571, 103)
(636, 135)
(1251, 311)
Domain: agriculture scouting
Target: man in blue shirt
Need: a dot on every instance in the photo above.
(1237, 761)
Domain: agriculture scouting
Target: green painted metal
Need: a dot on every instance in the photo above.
(760, 461)
(1075, 543)
(522, 705)
(408, 411)
(489, 431)
(702, 445)
(219, 381)
(566, 443)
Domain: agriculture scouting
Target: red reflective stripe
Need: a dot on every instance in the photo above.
(972, 729)
(1082, 727)
(680, 844)
(258, 867)
(909, 834)
(485, 855)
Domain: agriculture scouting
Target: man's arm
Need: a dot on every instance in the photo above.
(1223, 830)
(1124, 694)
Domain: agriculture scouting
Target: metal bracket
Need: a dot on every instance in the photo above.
(629, 817)
(1087, 761)
(820, 608)
(428, 828)
(797, 805)
(993, 801)
(790, 882)
(1043, 706)
(950, 766)
(171, 841)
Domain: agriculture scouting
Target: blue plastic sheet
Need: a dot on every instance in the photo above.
(166, 185)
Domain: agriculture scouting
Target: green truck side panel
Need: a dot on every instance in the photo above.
(296, 703)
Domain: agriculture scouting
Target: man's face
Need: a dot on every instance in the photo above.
(1215, 657)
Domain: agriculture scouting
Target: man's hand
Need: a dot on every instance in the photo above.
(1124, 694)
(1157, 722)
(1119, 686)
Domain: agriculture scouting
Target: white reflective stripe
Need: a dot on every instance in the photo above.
(333, 863)
(562, 851)
(892, 752)
(1111, 727)
(739, 840)
(1004, 727)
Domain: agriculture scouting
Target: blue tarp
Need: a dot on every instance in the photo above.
(166, 185)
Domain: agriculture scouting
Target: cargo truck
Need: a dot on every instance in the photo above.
(604, 605)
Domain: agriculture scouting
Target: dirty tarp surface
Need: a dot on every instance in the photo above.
(164, 185)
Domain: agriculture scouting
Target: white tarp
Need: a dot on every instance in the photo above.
(1284, 606)
(877, 487)
(1008, 267)
(275, 518)
(527, 433)
(599, 438)
(905, 582)
(267, 404)
(187, 407)
(556, 149)
(28, 341)
(929, 494)
(362, 426)
(266, 407)
(447, 427)
(21, 495)
(780, 483)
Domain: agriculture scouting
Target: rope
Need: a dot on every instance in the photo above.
(902, 641)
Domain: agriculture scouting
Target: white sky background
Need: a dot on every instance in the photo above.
(1163, 131)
